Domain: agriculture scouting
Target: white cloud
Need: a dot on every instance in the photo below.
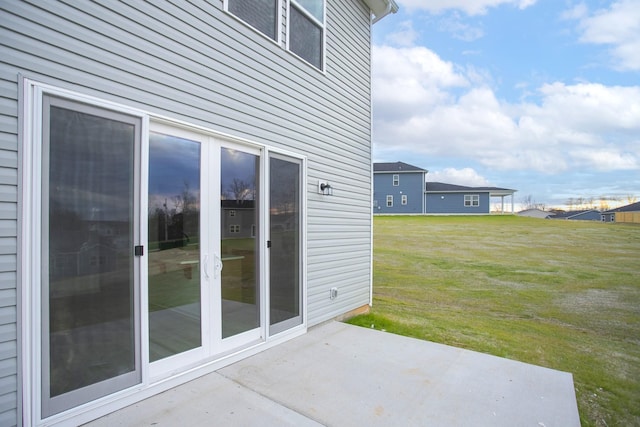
(464, 176)
(408, 80)
(405, 36)
(470, 7)
(428, 106)
(458, 29)
(617, 27)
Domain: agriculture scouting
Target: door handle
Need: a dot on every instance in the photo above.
(217, 266)
(206, 266)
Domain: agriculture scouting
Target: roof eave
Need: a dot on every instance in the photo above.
(381, 8)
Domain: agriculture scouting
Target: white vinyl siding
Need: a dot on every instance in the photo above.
(196, 63)
(9, 386)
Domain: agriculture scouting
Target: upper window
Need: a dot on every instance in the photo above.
(306, 30)
(472, 200)
(260, 14)
(396, 180)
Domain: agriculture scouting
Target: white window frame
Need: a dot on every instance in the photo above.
(29, 255)
(471, 200)
(323, 29)
(389, 201)
(404, 199)
(396, 180)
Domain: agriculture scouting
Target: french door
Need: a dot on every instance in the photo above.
(159, 248)
(204, 283)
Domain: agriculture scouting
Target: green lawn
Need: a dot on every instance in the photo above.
(560, 294)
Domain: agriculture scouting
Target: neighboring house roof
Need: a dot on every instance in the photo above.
(441, 187)
(396, 167)
(633, 207)
(536, 213)
(573, 214)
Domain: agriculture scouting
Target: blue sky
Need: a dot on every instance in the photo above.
(541, 96)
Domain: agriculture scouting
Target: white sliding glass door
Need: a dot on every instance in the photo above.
(151, 248)
(90, 284)
(204, 282)
(177, 285)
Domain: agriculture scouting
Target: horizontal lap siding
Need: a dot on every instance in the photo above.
(193, 62)
(8, 246)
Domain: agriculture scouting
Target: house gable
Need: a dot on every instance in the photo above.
(398, 188)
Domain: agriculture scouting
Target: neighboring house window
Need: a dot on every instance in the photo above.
(389, 201)
(306, 30)
(375, 203)
(472, 200)
(404, 199)
(232, 212)
(396, 180)
(260, 14)
(234, 228)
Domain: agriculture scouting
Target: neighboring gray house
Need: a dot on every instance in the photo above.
(581, 215)
(536, 213)
(398, 188)
(450, 199)
(144, 115)
(627, 213)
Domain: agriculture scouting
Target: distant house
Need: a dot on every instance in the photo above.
(628, 213)
(239, 218)
(583, 215)
(398, 188)
(536, 213)
(450, 199)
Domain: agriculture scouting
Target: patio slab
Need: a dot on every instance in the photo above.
(343, 375)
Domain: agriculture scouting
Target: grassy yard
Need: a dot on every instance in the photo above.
(560, 294)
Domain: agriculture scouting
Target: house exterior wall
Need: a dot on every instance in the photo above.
(453, 203)
(410, 184)
(195, 63)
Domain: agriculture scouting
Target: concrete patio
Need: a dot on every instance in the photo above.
(343, 375)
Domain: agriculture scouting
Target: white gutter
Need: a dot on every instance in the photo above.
(381, 8)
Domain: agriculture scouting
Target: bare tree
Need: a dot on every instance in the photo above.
(241, 190)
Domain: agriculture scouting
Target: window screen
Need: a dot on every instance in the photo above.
(305, 37)
(260, 14)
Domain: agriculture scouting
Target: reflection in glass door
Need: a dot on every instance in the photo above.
(174, 246)
(240, 286)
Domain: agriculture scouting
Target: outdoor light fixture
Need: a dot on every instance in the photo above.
(325, 188)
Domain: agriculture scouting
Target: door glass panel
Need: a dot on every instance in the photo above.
(89, 299)
(238, 232)
(284, 218)
(174, 246)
